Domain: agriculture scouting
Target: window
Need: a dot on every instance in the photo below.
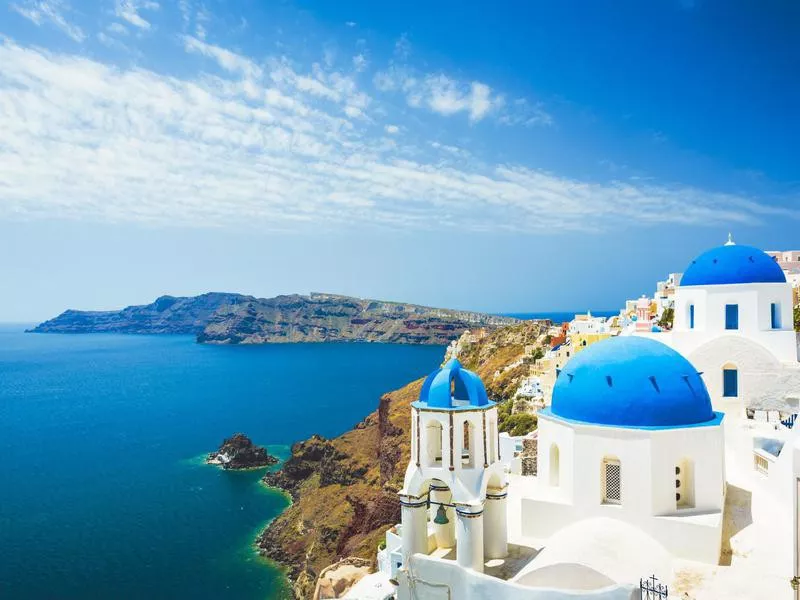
(684, 484)
(775, 315)
(468, 446)
(731, 316)
(612, 481)
(433, 444)
(730, 382)
(554, 465)
(691, 316)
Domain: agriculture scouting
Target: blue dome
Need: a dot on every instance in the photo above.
(631, 382)
(452, 387)
(733, 264)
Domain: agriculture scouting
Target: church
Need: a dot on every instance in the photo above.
(646, 473)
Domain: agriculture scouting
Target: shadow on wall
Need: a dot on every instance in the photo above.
(737, 516)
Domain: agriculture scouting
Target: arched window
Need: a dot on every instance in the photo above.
(691, 316)
(684, 484)
(468, 445)
(612, 481)
(433, 444)
(492, 436)
(555, 465)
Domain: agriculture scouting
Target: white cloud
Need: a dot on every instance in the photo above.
(83, 140)
(118, 28)
(440, 93)
(360, 62)
(129, 11)
(392, 129)
(230, 61)
(50, 11)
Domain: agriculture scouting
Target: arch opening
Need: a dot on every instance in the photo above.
(433, 444)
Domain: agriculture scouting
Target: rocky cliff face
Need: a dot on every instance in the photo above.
(168, 314)
(219, 318)
(345, 489)
(326, 317)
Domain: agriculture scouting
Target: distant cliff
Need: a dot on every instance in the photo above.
(167, 314)
(218, 318)
(327, 317)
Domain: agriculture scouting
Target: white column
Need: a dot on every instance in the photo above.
(414, 522)
(469, 537)
(495, 541)
(445, 534)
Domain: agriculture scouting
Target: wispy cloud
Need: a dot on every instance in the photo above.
(129, 11)
(269, 146)
(50, 11)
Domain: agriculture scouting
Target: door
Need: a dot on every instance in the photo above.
(730, 383)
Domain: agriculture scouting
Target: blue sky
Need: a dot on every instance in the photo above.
(514, 156)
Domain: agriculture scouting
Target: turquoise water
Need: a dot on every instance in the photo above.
(103, 490)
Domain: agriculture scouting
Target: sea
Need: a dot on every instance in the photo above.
(103, 488)
(561, 317)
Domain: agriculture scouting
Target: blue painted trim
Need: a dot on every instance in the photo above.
(716, 420)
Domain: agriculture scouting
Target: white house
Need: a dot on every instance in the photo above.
(733, 321)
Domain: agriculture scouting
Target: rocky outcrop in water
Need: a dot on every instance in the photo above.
(239, 452)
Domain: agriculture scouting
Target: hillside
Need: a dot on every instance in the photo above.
(327, 317)
(218, 318)
(345, 489)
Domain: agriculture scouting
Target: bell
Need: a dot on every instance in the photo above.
(441, 516)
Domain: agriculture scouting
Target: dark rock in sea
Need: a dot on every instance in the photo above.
(239, 452)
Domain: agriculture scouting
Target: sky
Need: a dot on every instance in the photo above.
(504, 156)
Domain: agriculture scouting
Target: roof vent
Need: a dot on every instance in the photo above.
(652, 379)
(609, 381)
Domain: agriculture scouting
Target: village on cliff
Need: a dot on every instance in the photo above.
(665, 463)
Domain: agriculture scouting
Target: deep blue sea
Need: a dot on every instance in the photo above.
(103, 493)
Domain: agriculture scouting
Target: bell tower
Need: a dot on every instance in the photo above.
(454, 482)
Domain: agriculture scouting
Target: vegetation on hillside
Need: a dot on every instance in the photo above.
(345, 489)
(797, 318)
(667, 318)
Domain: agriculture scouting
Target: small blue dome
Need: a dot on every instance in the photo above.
(733, 264)
(452, 386)
(631, 382)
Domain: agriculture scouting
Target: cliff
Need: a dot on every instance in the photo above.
(327, 317)
(168, 314)
(345, 489)
(219, 318)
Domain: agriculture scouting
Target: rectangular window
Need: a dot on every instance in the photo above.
(691, 316)
(731, 316)
(730, 383)
(612, 492)
(775, 315)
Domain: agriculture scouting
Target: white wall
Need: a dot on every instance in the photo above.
(648, 459)
(754, 301)
(428, 578)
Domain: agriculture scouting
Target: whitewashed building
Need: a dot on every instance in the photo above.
(734, 322)
(631, 476)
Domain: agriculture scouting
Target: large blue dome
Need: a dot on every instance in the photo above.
(452, 387)
(733, 264)
(631, 382)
